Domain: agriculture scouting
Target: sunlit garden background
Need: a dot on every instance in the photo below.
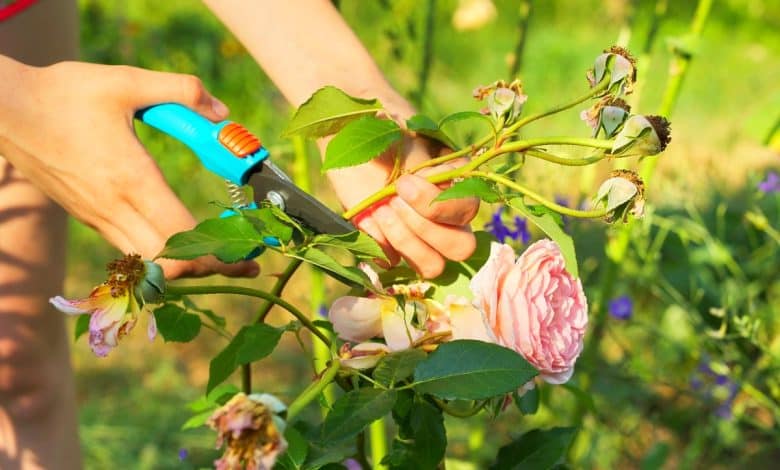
(681, 364)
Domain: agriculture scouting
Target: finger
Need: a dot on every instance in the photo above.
(420, 256)
(419, 194)
(370, 226)
(455, 242)
(162, 87)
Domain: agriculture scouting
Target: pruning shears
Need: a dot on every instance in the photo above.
(232, 152)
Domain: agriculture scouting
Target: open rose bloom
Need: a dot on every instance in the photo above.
(114, 305)
(529, 304)
(534, 306)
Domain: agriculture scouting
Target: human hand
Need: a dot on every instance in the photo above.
(68, 128)
(409, 226)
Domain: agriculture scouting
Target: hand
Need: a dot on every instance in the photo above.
(69, 129)
(409, 226)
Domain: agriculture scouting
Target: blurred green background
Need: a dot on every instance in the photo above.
(646, 411)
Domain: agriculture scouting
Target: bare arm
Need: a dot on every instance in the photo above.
(304, 45)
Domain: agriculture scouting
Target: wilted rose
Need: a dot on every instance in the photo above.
(533, 306)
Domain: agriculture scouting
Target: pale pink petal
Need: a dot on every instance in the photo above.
(70, 307)
(151, 328)
(356, 318)
(467, 322)
(365, 355)
(398, 332)
(372, 276)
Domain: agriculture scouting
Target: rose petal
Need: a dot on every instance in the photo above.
(356, 318)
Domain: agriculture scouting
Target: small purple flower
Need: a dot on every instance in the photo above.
(497, 227)
(322, 311)
(621, 307)
(771, 184)
(521, 230)
(717, 389)
(352, 464)
(183, 454)
(501, 231)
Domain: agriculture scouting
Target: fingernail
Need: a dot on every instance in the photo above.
(253, 270)
(219, 108)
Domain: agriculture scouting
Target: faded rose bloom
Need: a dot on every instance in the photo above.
(251, 430)
(608, 113)
(114, 305)
(504, 100)
(622, 194)
(404, 318)
(533, 306)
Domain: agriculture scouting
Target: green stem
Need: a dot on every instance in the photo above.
(199, 290)
(568, 161)
(514, 146)
(677, 71)
(597, 90)
(645, 57)
(377, 434)
(526, 6)
(427, 48)
(594, 214)
(478, 406)
(313, 391)
(278, 287)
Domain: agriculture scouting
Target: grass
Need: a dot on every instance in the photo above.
(132, 404)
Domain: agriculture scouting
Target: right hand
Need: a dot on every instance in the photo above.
(68, 128)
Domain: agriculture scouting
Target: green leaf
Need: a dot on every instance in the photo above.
(230, 239)
(397, 366)
(358, 243)
(422, 439)
(472, 370)
(327, 111)
(528, 404)
(197, 420)
(537, 449)
(547, 224)
(267, 224)
(464, 116)
(322, 260)
(354, 411)
(360, 141)
(216, 319)
(426, 126)
(175, 324)
(471, 187)
(250, 344)
(297, 449)
(82, 325)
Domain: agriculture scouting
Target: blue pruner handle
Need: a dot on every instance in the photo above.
(225, 148)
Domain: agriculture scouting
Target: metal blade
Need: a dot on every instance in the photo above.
(272, 184)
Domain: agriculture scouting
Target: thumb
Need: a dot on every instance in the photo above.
(153, 87)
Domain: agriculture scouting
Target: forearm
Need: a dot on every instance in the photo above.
(304, 45)
(13, 77)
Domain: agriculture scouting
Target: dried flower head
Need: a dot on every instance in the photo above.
(504, 100)
(621, 67)
(608, 113)
(251, 431)
(622, 194)
(642, 136)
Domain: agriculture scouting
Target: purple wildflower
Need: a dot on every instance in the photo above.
(771, 184)
(501, 231)
(322, 311)
(716, 389)
(352, 464)
(183, 454)
(621, 307)
(521, 230)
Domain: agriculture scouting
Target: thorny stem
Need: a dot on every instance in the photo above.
(509, 147)
(427, 49)
(594, 214)
(281, 282)
(198, 290)
(595, 91)
(522, 36)
(313, 391)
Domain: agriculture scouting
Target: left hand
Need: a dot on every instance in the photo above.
(408, 225)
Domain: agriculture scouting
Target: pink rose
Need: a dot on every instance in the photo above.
(533, 306)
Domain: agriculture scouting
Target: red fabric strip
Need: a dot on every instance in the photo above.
(14, 8)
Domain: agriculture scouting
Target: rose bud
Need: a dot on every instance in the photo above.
(621, 67)
(642, 136)
(622, 194)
